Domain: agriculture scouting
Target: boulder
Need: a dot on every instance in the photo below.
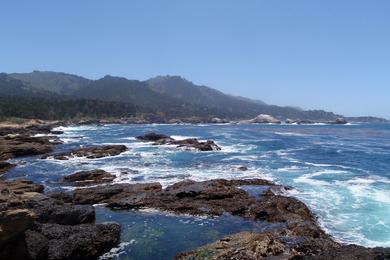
(86, 241)
(92, 177)
(93, 152)
(190, 143)
(22, 145)
(5, 166)
(153, 137)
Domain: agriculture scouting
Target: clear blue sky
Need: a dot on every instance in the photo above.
(329, 54)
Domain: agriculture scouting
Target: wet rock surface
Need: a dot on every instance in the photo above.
(21, 140)
(93, 152)
(5, 166)
(190, 143)
(39, 227)
(92, 177)
(86, 241)
(12, 146)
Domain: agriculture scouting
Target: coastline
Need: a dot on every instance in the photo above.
(30, 131)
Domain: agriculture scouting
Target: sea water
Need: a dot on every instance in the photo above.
(342, 172)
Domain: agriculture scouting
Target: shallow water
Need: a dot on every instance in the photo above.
(150, 234)
(342, 172)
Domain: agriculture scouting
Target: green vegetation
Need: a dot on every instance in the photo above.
(25, 107)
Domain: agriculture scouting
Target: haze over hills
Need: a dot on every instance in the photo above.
(167, 96)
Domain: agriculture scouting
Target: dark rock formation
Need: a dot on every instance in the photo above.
(153, 137)
(93, 177)
(52, 228)
(190, 143)
(90, 152)
(5, 166)
(21, 145)
(86, 241)
(339, 121)
(243, 168)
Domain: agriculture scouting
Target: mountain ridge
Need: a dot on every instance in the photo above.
(169, 96)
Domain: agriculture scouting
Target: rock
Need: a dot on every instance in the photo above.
(90, 152)
(243, 168)
(350, 252)
(261, 119)
(190, 143)
(5, 166)
(21, 145)
(84, 241)
(195, 144)
(153, 137)
(243, 245)
(13, 224)
(213, 198)
(93, 177)
(49, 210)
(34, 225)
(339, 121)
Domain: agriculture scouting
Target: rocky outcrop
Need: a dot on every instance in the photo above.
(12, 146)
(5, 166)
(93, 152)
(86, 241)
(190, 143)
(339, 121)
(261, 119)
(213, 198)
(85, 178)
(33, 225)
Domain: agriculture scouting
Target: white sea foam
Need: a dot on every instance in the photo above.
(116, 251)
(291, 134)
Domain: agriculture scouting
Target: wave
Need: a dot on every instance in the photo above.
(291, 134)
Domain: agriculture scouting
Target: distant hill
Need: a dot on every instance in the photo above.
(367, 119)
(57, 82)
(166, 96)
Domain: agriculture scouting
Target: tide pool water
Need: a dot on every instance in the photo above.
(342, 172)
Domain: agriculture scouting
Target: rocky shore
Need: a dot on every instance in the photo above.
(61, 225)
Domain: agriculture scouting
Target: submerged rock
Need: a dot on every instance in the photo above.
(93, 152)
(190, 143)
(93, 177)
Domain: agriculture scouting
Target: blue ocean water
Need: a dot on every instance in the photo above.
(342, 172)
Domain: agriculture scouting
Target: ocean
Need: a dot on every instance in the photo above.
(342, 172)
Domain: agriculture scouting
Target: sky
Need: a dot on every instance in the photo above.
(314, 54)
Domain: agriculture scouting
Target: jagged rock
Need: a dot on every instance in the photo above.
(90, 152)
(350, 252)
(86, 241)
(153, 137)
(243, 168)
(92, 177)
(22, 145)
(339, 121)
(190, 143)
(5, 166)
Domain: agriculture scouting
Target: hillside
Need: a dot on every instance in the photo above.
(167, 96)
(57, 82)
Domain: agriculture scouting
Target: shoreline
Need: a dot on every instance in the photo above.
(31, 130)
